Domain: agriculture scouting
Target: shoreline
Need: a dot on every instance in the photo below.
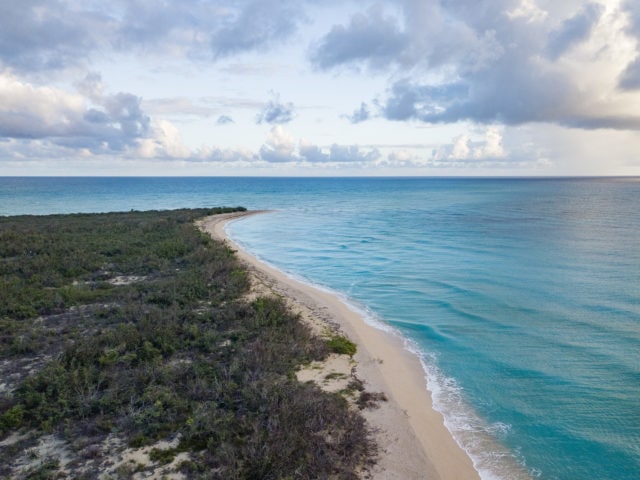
(413, 440)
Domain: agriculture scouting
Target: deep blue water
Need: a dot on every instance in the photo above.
(522, 295)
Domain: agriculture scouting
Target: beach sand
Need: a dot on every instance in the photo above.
(413, 440)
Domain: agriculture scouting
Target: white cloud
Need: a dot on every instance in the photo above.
(165, 141)
(27, 111)
(529, 11)
(464, 149)
(101, 123)
(279, 146)
(493, 147)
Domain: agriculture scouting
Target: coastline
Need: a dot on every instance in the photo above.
(413, 440)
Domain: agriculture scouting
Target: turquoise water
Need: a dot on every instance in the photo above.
(521, 295)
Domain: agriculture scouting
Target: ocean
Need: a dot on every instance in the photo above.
(522, 296)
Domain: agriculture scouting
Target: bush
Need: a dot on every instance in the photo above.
(341, 345)
(12, 418)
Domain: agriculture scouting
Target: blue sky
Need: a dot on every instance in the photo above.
(310, 87)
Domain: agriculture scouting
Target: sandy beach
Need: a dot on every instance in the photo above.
(414, 442)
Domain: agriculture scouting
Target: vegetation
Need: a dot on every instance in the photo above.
(134, 326)
(341, 345)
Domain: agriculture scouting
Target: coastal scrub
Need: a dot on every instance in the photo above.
(124, 332)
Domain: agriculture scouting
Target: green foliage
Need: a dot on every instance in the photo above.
(163, 456)
(172, 349)
(12, 418)
(341, 345)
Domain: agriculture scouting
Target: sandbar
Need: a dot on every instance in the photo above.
(413, 440)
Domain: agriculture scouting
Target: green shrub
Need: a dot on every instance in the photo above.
(341, 345)
(162, 456)
(12, 418)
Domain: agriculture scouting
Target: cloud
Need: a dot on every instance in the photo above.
(224, 120)
(632, 9)
(104, 122)
(275, 112)
(370, 36)
(337, 154)
(520, 84)
(425, 102)
(46, 35)
(464, 149)
(360, 115)
(167, 27)
(30, 112)
(529, 11)
(574, 30)
(91, 86)
(165, 141)
(228, 155)
(279, 147)
(630, 77)
(258, 25)
(509, 62)
(352, 154)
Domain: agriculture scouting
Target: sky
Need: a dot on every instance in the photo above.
(320, 87)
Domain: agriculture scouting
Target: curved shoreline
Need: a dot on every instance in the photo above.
(414, 442)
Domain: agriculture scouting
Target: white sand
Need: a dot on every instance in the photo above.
(414, 442)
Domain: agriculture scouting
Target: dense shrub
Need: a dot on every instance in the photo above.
(169, 349)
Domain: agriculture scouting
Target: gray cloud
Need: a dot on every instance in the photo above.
(45, 35)
(338, 154)
(154, 25)
(507, 82)
(633, 10)
(574, 30)
(630, 78)
(276, 156)
(91, 86)
(360, 115)
(512, 92)
(415, 34)
(372, 37)
(124, 113)
(276, 112)
(257, 26)
(37, 35)
(425, 102)
(224, 120)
